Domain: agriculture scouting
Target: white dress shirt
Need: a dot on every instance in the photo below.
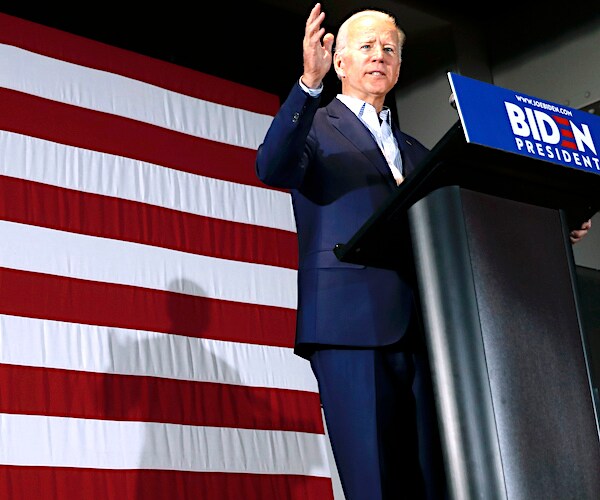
(381, 130)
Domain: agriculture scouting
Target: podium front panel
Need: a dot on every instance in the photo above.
(498, 293)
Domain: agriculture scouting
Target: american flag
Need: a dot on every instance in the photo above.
(147, 284)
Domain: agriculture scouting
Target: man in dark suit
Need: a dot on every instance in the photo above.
(357, 325)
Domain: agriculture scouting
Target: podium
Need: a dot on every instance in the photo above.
(486, 227)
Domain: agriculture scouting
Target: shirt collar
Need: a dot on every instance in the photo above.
(360, 107)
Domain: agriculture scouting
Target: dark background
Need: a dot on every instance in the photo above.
(259, 42)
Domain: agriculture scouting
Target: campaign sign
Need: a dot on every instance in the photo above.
(511, 121)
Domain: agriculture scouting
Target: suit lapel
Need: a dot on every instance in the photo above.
(348, 124)
(406, 150)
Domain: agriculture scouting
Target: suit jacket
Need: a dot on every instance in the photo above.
(338, 178)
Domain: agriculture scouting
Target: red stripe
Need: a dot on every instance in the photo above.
(566, 132)
(560, 120)
(58, 298)
(39, 204)
(568, 144)
(108, 133)
(85, 52)
(60, 483)
(65, 393)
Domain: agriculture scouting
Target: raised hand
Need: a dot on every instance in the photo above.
(317, 49)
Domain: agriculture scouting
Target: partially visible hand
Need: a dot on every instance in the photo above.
(317, 54)
(577, 234)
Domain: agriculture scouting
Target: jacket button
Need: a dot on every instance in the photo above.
(295, 117)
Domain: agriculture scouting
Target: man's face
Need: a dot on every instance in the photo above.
(370, 63)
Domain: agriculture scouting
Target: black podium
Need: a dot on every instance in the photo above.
(487, 231)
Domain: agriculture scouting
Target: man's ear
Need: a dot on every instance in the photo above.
(338, 66)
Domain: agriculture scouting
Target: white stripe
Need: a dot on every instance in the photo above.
(104, 444)
(38, 249)
(80, 169)
(99, 349)
(89, 88)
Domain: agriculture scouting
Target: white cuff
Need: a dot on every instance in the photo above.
(311, 92)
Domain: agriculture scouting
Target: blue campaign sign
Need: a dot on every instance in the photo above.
(518, 123)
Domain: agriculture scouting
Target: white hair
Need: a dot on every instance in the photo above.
(342, 35)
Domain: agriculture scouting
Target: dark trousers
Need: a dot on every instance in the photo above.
(380, 415)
